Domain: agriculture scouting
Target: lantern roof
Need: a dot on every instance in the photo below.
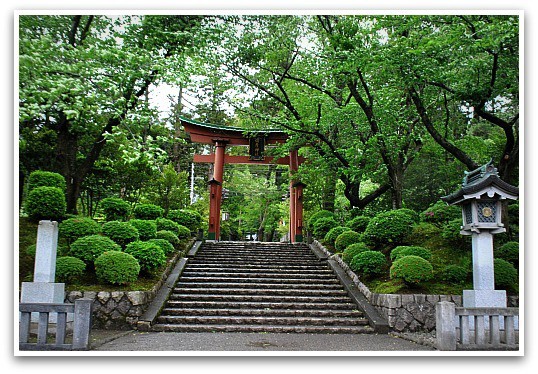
(481, 181)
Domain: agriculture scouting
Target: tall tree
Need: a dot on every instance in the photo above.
(83, 76)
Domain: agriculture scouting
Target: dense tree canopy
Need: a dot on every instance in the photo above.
(388, 110)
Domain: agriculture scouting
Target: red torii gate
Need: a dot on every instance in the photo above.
(224, 136)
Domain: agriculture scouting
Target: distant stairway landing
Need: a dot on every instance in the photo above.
(259, 287)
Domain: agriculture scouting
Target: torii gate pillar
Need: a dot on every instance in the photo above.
(215, 192)
(296, 201)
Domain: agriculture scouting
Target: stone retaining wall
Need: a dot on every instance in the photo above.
(122, 309)
(404, 313)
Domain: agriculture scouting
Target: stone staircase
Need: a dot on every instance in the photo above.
(259, 287)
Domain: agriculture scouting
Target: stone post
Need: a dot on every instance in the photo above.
(445, 329)
(43, 289)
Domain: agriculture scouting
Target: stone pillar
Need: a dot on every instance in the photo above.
(445, 328)
(483, 293)
(43, 289)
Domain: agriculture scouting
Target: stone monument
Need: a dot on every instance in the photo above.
(43, 289)
(481, 199)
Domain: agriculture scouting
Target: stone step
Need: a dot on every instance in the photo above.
(313, 276)
(259, 298)
(255, 260)
(202, 278)
(262, 320)
(217, 269)
(271, 304)
(263, 329)
(242, 265)
(260, 285)
(259, 292)
(265, 312)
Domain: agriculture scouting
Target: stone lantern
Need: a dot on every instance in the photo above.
(481, 199)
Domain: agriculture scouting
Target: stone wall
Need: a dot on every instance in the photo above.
(122, 309)
(404, 313)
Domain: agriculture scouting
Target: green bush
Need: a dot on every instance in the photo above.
(322, 226)
(168, 236)
(146, 229)
(454, 274)
(41, 178)
(45, 203)
(73, 228)
(165, 245)
(345, 239)
(319, 214)
(115, 209)
(333, 233)
(358, 223)
(391, 227)
(186, 217)
(440, 213)
(167, 224)
(69, 268)
(353, 250)
(150, 256)
(451, 235)
(148, 211)
(509, 252)
(183, 232)
(411, 213)
(404, 250)
(506, 277)
(368, 263)
(90, 247)
(422, 232)
(122, 233)
(116, 267)
(413, 270)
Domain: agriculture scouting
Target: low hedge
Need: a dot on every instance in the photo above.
(345, 239)
(77, 227)
(353, 250)
(333, 233)
(122, 233)
(369, 263)
(69, 268)
(148, 211)
(150, 256)
(90, 247)
(146, 229)
(413, 270)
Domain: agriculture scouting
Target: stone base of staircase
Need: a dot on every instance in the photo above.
(258, 287)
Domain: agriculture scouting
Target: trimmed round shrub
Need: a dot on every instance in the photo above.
(440, 213)
(411, 213)
(45, 203)
(368, 263)
(454, 274)
(319, 214)
(183, 232)
(509, 252)
(403, 250)
(389, 227)
(186, 217)
(353, 250)
(165, 245)
(73, 228)
(69, 268)
(146, 229)
(167, 224)
(345, 239)
(505, 274)
(168, 236)
(358, 223)
(116, 267)
(322, 226)
(90, 247)
(333, 233)
(122, 233)
(148, 211)
(115, 209)
(150, 256)
(41, 178)
(413, 270)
